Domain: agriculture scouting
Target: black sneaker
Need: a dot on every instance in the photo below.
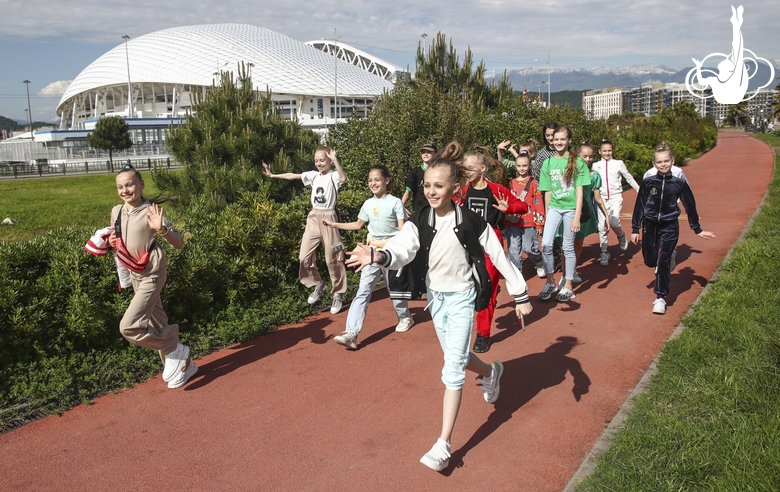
(481, 344)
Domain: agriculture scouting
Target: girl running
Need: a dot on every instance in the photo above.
(452, 241)
(611, 172)
(490, 201)
(524, 230)
(325, 184)
(137, 223)
(385, 216)
(563, 177)
(656, 213)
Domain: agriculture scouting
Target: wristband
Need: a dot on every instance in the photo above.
(167, 230)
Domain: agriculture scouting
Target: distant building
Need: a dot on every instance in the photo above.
(602, 103)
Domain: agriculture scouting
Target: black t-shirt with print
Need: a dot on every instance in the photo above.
(481, 202)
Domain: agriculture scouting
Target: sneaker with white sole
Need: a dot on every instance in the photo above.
(547, 291)
(338, 302)
(187, 372)
(404, 325)
(438, 458)
(623, 242)
(347, 339)
(673, 260)
(565, 295)
(604, 259)
(659, 306)
(174, 362)
(491, 386)
(315, 295)
(540, 270)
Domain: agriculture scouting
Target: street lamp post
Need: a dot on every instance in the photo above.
(548, 82)
(29, 111)
(129, 86)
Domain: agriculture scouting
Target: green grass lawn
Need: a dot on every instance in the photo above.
(43, 204)
(711, 418)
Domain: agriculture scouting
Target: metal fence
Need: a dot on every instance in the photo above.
(41, 167)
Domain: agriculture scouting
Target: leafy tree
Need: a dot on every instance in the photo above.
(111, 134)
(738, 114)
(231, 131)
(776, 105)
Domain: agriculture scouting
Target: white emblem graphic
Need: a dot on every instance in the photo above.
(735, 70)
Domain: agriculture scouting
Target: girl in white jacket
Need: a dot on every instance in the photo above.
(611, 171)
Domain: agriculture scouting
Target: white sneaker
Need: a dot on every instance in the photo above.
(404, 325)
(189, 370)
(659, 306)
(623, 242)
(490, 386)
(174, 362)
(347, 339)
(315, 295)
(438, 457)
(338, 302)
(540, 270)
(604, 259)
(673, 260)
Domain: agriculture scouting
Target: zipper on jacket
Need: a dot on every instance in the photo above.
(661, 204)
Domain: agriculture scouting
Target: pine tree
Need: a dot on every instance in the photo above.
(111, 133)
(230, 132)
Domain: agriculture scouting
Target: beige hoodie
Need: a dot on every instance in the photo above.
(139, 237)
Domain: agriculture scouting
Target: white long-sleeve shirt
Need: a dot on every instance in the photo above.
(611, 171)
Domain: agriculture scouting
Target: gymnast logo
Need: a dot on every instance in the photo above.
(735, 70)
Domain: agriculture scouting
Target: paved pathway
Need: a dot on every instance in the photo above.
(295, 411)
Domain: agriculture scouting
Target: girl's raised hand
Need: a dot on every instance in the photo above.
(332, 154)
(502, 202)
(503, 145)
(707, 235)
(267, 170)
(154, 217)
(359, 257)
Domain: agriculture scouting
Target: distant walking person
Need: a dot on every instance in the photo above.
(414, 181)
(325, 184)
(656, 212)
(137, 223)
(611, 171)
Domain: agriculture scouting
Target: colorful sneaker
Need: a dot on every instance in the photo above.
(438, 458)
(540, 270)
(347, 339)
(547, 292)
(565, 295)
(481, 344)
(315, 295)
(175, 361)
(491, 386)
(659, 306)
(623, 242)
(338, 302)
(404, 325)
(604, 259)
(673, 260)
(187, 372)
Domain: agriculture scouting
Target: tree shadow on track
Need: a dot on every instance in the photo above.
(523, 379)
(258, 348)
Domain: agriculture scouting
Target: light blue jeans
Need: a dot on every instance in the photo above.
(521, 239)
(453, 320)
(551, 222)
(369, 276)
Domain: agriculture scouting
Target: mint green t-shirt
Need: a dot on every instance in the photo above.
(563, 194)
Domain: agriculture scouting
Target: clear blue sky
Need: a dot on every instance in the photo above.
(50, 42)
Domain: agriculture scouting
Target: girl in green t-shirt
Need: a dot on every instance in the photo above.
(562, 178)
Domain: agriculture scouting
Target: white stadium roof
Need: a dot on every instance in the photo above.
(193, 54)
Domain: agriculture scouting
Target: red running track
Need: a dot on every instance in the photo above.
(295, 411)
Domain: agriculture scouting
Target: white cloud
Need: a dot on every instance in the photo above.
(55, 88)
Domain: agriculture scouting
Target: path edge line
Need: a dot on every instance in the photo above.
(616, 424)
